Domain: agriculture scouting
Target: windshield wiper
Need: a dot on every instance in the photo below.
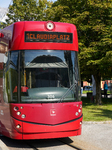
(68, 91)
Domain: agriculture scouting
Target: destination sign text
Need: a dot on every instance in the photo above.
(58, 37)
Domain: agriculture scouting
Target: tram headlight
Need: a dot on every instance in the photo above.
(50, 25)
(16, 108)
(23, 116)
(79, 110)
(76, 113)
(18, 126)
(80, 122)
(80, 106)
(18, 113)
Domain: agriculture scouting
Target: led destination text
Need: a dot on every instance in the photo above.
(59, 37)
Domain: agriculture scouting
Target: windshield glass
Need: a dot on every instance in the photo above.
(49, 76)
(42, 76)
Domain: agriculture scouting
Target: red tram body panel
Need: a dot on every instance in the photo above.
(39, 81)
(20, 28)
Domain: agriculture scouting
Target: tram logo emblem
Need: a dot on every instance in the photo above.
(52, 112)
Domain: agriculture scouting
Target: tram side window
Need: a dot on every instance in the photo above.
(77, 78)
(10, 77)
(13, 68)
(1, 75)
(6, 78)
(70, 65)
(74, 75)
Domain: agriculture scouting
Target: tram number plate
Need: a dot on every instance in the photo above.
(50, 96)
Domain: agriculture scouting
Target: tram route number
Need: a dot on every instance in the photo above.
(58, 37)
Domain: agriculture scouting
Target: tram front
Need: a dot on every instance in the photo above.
(47, 96)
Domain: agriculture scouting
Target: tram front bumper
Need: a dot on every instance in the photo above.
(26, 130)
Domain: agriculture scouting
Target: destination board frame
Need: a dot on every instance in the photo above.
(56, 37)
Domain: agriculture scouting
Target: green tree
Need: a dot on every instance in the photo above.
(96, 49)
(2, 25)
(93, 19)
(28, 10)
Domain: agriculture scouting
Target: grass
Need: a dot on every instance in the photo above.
(84, 92)
(93, 112)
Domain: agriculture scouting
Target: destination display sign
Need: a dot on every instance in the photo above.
(57, 37)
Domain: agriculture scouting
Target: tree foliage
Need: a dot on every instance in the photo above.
(93, 19)
(28, 10)
(2, 25)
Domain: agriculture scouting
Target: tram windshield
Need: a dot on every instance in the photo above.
(45, 76)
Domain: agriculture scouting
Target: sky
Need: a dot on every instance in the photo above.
(5, 3)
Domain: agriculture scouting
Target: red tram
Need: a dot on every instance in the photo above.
(39, 81)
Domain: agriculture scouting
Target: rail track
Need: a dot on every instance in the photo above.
(65, 142)
(46, 144)
(72, 143)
